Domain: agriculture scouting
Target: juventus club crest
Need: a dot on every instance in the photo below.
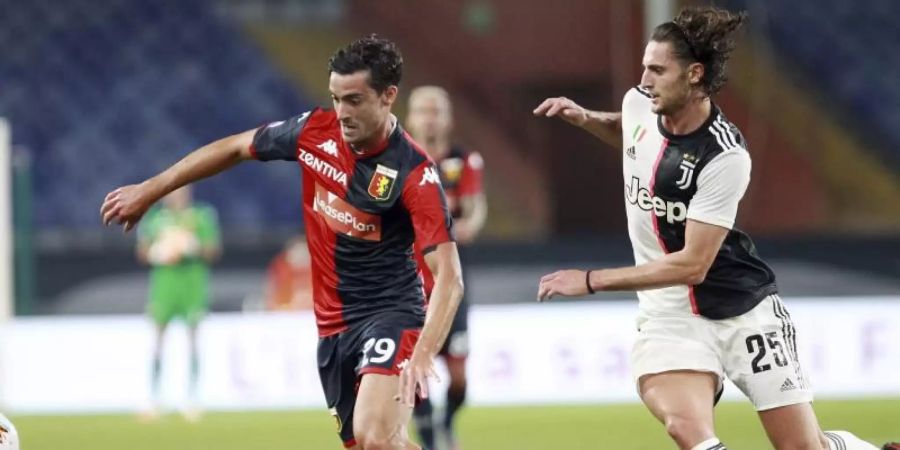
(382, 183)
(687, 174)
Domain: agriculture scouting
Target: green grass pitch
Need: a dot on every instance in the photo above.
(620, 427)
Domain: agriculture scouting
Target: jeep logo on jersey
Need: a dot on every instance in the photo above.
(382, 183)
(687, 174)
(345, 219)
(639, 196)
(329, 147)
(314, 163)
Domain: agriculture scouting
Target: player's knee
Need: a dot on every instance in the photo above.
(457, 387)
(377, 441)
(687, 431)
(377, 435)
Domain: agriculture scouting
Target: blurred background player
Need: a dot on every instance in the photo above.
(430, 122)
(706, 297)
(178, 239)
(289, 278)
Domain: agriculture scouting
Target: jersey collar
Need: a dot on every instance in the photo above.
(713, 113)
(381, 146)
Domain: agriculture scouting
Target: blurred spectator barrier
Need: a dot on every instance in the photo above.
(522, 354)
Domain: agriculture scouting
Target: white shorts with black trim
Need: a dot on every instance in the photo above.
(757, 351)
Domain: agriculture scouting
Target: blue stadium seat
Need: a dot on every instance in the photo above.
(107, 93)
(848, 52)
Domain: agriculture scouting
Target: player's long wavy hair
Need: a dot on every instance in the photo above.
(704, 35)
(379, 56)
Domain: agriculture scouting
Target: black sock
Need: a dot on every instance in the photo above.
(456, 396)
(422, 414)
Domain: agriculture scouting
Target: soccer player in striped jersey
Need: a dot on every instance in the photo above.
(708, 304)
(369, 192)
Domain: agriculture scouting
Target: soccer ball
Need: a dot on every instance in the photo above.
(9, 439)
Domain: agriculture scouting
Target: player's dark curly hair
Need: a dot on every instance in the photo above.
(379, 56)
(703, 35)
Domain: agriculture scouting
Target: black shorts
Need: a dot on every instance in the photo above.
(377, 345)
(457, 343)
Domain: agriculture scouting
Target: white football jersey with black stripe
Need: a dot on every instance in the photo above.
(670, 179)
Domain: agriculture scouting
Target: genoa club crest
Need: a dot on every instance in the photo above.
(382, 183)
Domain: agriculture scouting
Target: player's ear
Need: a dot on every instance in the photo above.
(389, 95)
(695, 73)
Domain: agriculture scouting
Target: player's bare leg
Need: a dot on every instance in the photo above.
(796, 427)
(456, 395)
(152, 411)
(379, 420)
(683, 401)
(192, 410)
(793, 427)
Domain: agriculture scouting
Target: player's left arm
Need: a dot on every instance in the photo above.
(424, 198)
(720, 186)
(472, 201)
(444, 264)
(474, 215)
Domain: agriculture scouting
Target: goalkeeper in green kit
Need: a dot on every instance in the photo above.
(178, 239)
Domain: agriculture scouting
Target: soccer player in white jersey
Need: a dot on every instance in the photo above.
(708, 305)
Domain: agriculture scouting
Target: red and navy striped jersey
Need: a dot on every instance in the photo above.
(362, 215)
(460, 171)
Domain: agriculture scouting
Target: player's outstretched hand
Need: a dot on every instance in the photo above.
(564, 108)
(414, 378)
(564, 282)
(126, 205)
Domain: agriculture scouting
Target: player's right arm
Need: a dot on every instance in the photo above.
(607, 126)
(127, 204)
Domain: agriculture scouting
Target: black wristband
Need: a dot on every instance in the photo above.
(587, 281)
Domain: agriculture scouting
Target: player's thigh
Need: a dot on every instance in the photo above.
(793, 427)
(671, 346)
(194, 308)
(161, 309)
(378, 415)
(681, 395)
(384, 344)
(759, 352)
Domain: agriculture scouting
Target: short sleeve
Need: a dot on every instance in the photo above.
(470, 180)
(279, 140)
(424, 198)
(720, 187)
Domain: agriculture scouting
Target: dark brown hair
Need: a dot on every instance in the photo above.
(379, 56)
(704, 35)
